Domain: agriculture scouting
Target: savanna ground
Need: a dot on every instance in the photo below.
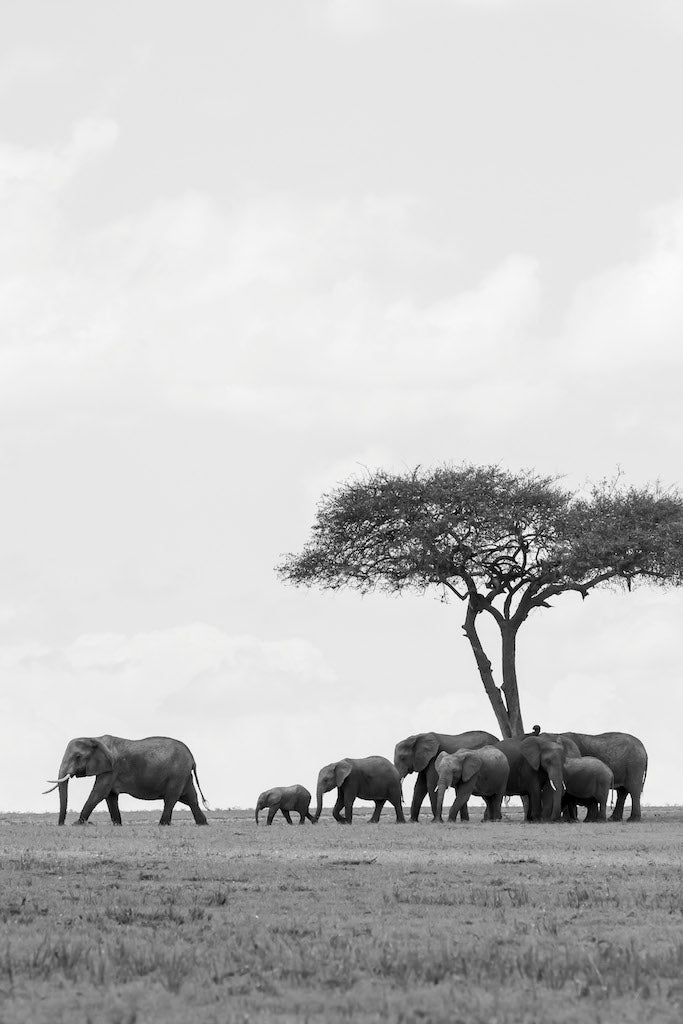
(464, 923)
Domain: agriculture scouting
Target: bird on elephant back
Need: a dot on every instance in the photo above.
(418, 753)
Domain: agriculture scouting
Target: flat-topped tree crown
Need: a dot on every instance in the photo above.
(503, 543)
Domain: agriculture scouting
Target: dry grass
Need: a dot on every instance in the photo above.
(476, 923)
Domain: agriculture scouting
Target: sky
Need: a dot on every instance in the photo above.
(251, 250)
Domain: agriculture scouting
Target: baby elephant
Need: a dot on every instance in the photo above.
(285, 799)
(483, 772)
(587, 782)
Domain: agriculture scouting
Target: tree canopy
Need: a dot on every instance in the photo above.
(504, 543)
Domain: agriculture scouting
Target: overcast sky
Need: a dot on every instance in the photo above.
(248, 249)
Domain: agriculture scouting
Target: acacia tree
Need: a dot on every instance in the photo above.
(502, 543)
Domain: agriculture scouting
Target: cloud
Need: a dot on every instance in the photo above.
(350, 17)
(214, 690)
(51, 169)
(291, 309)
(631, 316)
(195, 670)
(24, 63)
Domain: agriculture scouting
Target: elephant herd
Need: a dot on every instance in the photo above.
(553, 773)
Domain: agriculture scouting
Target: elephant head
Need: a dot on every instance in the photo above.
(83, 756)
(543, 752)
(414, 753)
(330, 777)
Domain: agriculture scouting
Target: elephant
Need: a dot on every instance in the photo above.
(535, 760)
(482, 772)
(285, 799)
(368, 778)
(627, 757)
(587, 781)
(419, 752)
(155, 768)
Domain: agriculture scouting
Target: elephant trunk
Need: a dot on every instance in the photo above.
(256, 813)
(440, 792)
(63, 776)
(63, 800)
(556, 790)
(319, 806)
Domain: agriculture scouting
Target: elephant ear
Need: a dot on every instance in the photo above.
(101, 758)
(341, 772)
(470, 767)
(532, 752)
(426, 748)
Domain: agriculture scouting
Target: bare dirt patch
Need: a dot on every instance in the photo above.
(478, 923)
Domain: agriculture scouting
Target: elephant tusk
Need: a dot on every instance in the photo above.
(65, 778)
(553, 785)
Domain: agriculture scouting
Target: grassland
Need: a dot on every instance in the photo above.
(416, 923)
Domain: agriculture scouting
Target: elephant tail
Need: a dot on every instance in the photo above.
(196, 779)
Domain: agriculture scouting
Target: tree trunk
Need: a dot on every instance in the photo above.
(484, 666)
(509, 643)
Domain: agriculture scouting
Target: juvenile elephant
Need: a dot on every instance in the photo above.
(483, 772)
(155, 768)
(366, 778)
(285, 799)
(418, 753)
(534, 761)
(627, 757)
(588, 782)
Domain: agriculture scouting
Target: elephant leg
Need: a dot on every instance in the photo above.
(494, 807)
(336, 810)
(635, 814)
(463, 793)
(348, 807)
(302, 817)
(432, 780)
(171, 798)
(602, 807)
(397, 804)
(592, 810)
(379, 804)
(572, 810)
(618, 812)
(113, 805)
(98, 793)
(535, 812)
(166, 814)
(189, 798)
(419, 793)
(288, 817)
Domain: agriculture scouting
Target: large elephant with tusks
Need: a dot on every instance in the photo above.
(155, 768)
